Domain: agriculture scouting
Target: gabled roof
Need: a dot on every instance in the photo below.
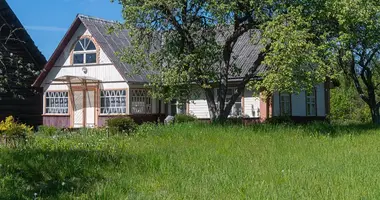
(109, 43)
(245, 52)
(22, 44)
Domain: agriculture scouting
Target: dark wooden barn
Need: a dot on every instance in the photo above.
(18, 99)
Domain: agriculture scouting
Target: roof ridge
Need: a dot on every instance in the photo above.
(96, 18)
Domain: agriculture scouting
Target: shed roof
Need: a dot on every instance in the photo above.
(21, 43)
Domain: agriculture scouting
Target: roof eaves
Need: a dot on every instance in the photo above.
(65, 40)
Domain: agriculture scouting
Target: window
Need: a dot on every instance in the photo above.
(177, 107)
(311, 107)
(84, 52)
(141, 103)
(57, 103)
(113, 102)
(236, 109)
(285, 104)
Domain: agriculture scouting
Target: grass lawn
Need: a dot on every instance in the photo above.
(197, 161)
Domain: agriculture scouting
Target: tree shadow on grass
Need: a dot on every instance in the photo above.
(25, 174)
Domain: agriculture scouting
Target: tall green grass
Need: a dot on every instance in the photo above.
(197, 161)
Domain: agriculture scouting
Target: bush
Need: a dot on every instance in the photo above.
(279, 120)
(10, 128)
(47, 130)
(182, 118)
(121, 125)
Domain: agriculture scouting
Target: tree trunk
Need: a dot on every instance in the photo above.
(375, 114)
(211, 104)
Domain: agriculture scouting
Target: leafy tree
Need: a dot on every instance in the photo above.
(357, 45)
(13, 70)
(190, 43)
(346, 105)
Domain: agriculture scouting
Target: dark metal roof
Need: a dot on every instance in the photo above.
(22, 44)
(111, 43)
(244, 51)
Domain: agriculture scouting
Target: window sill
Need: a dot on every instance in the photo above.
(56, 115)
(116, 114)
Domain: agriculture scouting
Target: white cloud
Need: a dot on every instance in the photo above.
(46, 28)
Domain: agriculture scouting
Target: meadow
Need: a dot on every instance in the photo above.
(197, 161)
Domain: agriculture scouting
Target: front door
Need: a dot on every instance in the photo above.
(84, 108)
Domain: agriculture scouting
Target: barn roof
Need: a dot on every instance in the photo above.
(21, 43)
(245, 52)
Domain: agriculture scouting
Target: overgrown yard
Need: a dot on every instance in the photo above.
(197, 161)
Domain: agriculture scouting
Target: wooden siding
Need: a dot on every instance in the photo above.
(57, 121)
(26, 110)
(65, 58)
(251, 105)
(298, 102)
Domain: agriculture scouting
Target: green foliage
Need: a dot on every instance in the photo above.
(295, 61)
(47, 130)
(279, 120)
(347, 107)
(179, 161)
(355, 43)
(121, 125)
(10, 128)
(183, 118)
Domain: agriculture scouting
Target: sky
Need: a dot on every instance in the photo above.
(48, 20)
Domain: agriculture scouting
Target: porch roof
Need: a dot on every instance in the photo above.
(77, 79)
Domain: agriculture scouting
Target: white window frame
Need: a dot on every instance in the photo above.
(54, 96)
(311, 101)
(285, 104)
(140, 102)
(113, 108)
(85, 52)
(176, 105)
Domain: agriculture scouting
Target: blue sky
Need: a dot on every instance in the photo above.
(48, 20)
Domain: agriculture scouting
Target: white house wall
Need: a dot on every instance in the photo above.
(105, 71)
(107, 74)
(251, 104)
(299, 103)
(198, 106)
(65, 57)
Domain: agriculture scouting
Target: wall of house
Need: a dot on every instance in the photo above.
(198, 106)
(298, 103)
(250, 106)
(104, 70)
(251, 103)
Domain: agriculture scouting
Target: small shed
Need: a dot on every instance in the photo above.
(27, 107)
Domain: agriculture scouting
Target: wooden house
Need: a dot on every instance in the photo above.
(85, 83)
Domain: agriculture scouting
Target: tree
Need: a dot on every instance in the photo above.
(182, 43)
(356, 47)
(346, 105)
(13, 70)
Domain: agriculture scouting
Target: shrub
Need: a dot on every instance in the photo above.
(182, 118)
(10, 128)
(279, 120)
(47, 130)
(121, 125)
(146, 128)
